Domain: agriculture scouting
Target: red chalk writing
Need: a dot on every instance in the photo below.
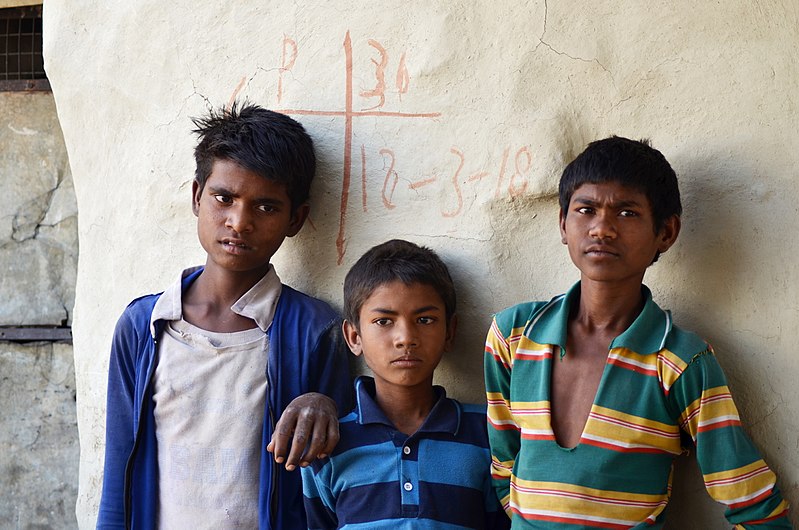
(461, 175)
(348, 113)
(287, 60)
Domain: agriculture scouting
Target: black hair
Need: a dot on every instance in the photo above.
(631, 163)
(267, 143)
(396, 260)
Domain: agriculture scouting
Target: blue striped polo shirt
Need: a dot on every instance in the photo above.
(378, 477)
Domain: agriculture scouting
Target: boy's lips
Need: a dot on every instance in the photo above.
(601, 250)
(406, 361)
(234, 245)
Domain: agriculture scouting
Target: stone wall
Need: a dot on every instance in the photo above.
(38, 442)
(448, 123)
(38, 262)
(38, 218)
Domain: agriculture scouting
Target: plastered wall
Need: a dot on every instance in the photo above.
(448, 123)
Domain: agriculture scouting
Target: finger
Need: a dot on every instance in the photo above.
(281, 438)
(317, 442)
(332, 439)
(302, 431)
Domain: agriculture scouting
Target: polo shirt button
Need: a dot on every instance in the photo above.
(408, 486)
(406, 450)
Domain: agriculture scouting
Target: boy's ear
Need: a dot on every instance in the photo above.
(562, 223)
(668, 234)
(352, 337)
(298, 218)
(196, 193)
(452, 327)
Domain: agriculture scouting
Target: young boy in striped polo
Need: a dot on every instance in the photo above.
(589, 393)
(408, 457)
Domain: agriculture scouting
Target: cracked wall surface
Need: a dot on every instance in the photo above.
(38, 261)
(38, 218)
(458, 121)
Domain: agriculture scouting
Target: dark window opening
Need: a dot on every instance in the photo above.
(21, 60)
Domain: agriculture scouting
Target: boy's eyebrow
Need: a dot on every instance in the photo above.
(592, 202)
(415, 312)
(221, 191)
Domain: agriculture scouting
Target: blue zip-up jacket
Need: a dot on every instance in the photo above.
(306, 354)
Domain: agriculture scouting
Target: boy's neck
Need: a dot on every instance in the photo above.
(608, 306)
(207, 301)
(405, 407)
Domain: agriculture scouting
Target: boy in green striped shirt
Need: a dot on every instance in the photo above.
(588, 393)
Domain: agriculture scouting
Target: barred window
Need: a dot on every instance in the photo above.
(21, 61)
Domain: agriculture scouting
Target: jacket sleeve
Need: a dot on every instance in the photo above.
(503, 433)
(119, 432)
(317, 496)
(332, 368)
(732, 468)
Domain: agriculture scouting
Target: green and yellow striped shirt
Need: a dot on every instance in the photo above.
(658, 381)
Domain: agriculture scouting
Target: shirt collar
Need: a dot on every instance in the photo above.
(258, 303)
(444, 417)
(647, 334)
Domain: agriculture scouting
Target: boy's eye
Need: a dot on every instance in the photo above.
(585, 210)
(268, 208)
(628, 213)
(382, 321)
(426, 320)
(224, 199)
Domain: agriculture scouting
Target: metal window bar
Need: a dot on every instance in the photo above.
(21, 60)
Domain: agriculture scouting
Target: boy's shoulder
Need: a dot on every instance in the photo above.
(516, 317)
(472, 408)
(685, 344)
(293, 301)
(658, 323)
(472, 428)
(139, 310)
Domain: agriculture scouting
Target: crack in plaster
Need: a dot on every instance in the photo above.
(558, 52)
(766, 416)
(35, 439)
(195, 93)
(21, 226)
(646, 77)
(45, 199)
(453, 238)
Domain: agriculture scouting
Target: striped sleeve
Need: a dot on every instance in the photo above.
(503, 433)
(318, 499)
(732, 468)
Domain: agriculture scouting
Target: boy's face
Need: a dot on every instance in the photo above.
(243, 218)
(609, 230)
(403, 334)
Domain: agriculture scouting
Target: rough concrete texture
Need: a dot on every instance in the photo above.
(38, 441)
(458, 122)
(38, 218)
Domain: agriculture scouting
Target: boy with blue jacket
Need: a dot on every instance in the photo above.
(200, 374)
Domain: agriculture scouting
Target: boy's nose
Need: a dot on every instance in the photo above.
(238, 220)
(405, 336)
(602, 228)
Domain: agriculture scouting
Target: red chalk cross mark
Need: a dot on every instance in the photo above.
(349, 114)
